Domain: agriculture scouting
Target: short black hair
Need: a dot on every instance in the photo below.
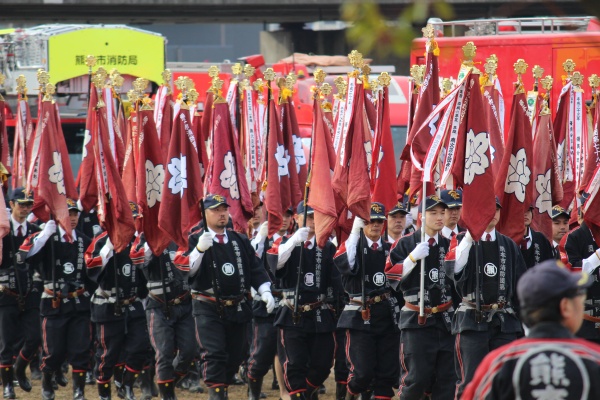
(550, 312)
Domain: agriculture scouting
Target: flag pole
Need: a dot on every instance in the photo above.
(90, 61)
(422, 317)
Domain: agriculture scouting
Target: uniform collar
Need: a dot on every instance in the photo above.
(370, 242)
(62, 233)
(492, 234)
(447, 232)
(15, 226)
(225, 238)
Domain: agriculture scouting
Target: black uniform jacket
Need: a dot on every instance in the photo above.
(383, 314)
(131, 283)
(504, 265)
(540, 250)
(319, 284)
(438, 286)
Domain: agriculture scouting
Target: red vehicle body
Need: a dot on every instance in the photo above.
(547, 42)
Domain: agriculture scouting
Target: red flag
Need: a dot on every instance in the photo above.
(292, 144)
(383, 171)
(4, 223)
(472, 169)
(50, 175)
(182, 187)
(202, 155)
(593, 159)
(226, 173)
(115, 134)
(163, 117)
(131, 157)
(114, 212)
(351, 175)
(277, 194)
(206, 123)
(321, 196)
(150, 177)
(21, 148)
(514, 182)
(4, 145)
(491, 99)
(547, 185)
(86, 178)
(591, 207)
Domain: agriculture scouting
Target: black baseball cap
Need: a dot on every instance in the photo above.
(72, 205)
(432, 201)
(452, 198)
(20, 196)
(290, 210)
(399, 207)
(547, 281)
(300, 208)
(134, 209)
(558, 211)
(378, 211)
(214, 200)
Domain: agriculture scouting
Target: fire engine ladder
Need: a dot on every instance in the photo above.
(511, 26)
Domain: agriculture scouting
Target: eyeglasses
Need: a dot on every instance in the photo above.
(25, 205)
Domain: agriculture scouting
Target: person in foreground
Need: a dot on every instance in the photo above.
(550, 363)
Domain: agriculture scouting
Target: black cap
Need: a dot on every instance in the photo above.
(72, 205)
(452, 198)
(300, 208)
(398, 208)
(558, 211)
(18, 195)
(134, 209)
(214, 200)
(547, 281)
(432, 201)
(377, 211)
(290, 210)
(498, 202)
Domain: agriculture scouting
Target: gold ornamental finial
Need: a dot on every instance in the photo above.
(490, 67)
(90, 61)
(366, 71)
(356, 59)
(342, 86)
(319, 75)
(293, 77)
(133, 96)
(289, 82)
(2, 79)
(469, 51)
(217, 83)
(520, 67)
(236, 69)
(428, 31)
(193, 95)
(258, 85)
(446, 85)
(213, 71)
(577, 78)
(547, 82)
(417, 74)
(326, 89)
(141, 84)
(166, 77)
(569, 67)
(249, 70)
(181, 83)
(98, 80)
(280, 82)
(384, 79)
(493, 57)
(50, 89)
(374, 85)
(22, 86)
(538, 72)
(594, 82)
(269, 74)
(147, 104)
(43, 78)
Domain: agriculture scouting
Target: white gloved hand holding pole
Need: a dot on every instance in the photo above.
(300, 236)
(357, 225)
(420, 252)
(205, 241)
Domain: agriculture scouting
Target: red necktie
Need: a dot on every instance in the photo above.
(20, 231)
(66, 238)
(307, 244)
(524, 243)
(221, 238)
(452, 234)
(375, 246)
(431, 242)
(488, 237)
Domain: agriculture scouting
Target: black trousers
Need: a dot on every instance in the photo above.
(18, 327)
(340, 369)
(373, 359)
(306, 357)
(117, 340)
(66, 337)
(263, 347)
(172, 340)
(427, 359)
(222, 348)
(471, 347)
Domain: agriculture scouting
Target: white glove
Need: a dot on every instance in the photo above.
(205, 241)
(268, 299)
(468, 237)
(300, 236)
(421, 251)
(106, 251)
(591, 263)
(108, 245)
(49, 228)
(357, 225)
(263, 230)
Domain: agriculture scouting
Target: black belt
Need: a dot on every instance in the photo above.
(177, 300)
(229, 302)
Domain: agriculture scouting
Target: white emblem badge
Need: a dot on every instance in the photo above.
(228, 269)
(379, 278)
(126, 270)
(309, 279)
(68, 268)
(490, 270)
(434, 275)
